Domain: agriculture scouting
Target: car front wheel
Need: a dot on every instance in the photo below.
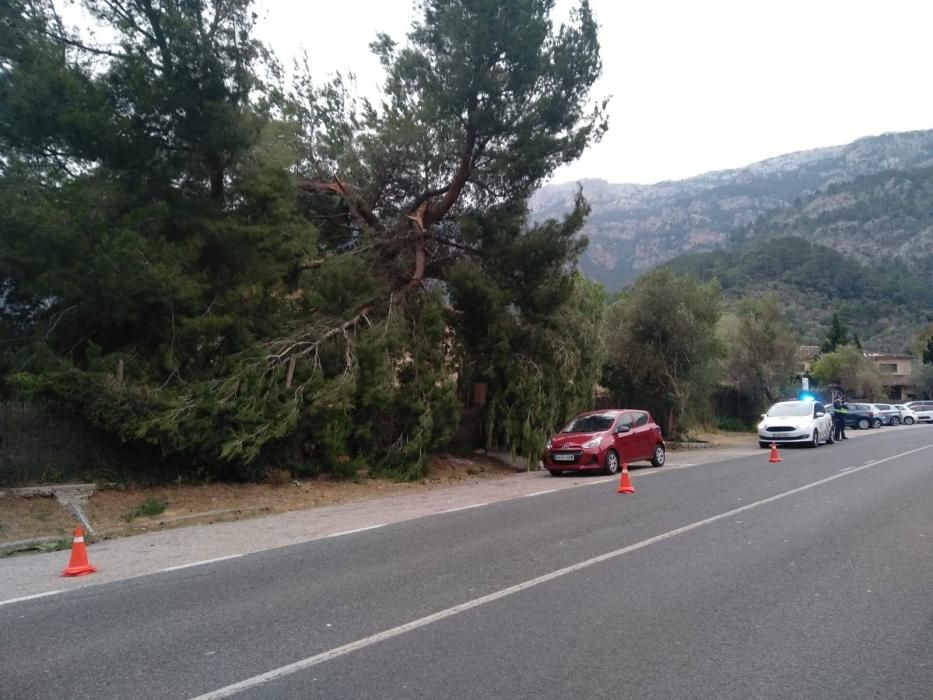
(908, 421)
(659, 456)
(612, 462)
(863, 424)
(815, 442)
(895, 420)
(877, 424)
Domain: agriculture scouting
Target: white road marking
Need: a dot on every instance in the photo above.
(336, 652)
(198, 563)
(352, 532)
(540, 493)
(454, 510)
(30, 597)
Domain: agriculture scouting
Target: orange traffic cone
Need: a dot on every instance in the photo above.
(625, 484)
(79, 565)
(775, 457)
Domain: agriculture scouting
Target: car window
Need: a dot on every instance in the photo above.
(790, 409)
(818, 408)
(641, 419)
(883, 406)
(626, 419)
(589, 424)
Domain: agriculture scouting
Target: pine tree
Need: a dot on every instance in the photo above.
(197, 257)
(838, 335)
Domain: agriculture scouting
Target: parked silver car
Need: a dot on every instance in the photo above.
(887, 414)
(908, 416)
(923, 409)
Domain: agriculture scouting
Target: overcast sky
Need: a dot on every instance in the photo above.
(696, 85)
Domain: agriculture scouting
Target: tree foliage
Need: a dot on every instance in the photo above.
(838, 335)
(922, 345)
(922, 379)
(847, 369)
(234, 270)
(531, 330)
(662, 345)
(882, 303)
(760, 349)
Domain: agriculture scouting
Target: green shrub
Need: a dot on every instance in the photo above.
(732, 425)
(148, 508)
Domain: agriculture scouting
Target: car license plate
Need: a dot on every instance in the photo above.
(562, 458)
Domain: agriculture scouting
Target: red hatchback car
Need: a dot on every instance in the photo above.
(602, 440)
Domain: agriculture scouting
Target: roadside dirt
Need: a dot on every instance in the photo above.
(115, 512)
(119, 512)
(711, 438)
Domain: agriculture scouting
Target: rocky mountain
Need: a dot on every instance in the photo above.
(885, 219)
(633, 228)
(863, 248)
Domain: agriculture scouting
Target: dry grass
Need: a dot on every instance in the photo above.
(107, 510)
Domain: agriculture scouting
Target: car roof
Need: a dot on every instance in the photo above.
(610, 412)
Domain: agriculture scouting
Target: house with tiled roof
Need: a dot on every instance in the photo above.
(806, 356)
(895, 370)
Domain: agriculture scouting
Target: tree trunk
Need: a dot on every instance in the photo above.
(217, 172)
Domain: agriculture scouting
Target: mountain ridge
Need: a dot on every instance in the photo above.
(633, 228)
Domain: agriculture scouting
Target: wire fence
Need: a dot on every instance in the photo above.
(39, 445)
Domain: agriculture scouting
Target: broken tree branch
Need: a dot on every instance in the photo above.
(357, 207)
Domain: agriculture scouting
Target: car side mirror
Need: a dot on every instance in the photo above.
(763, 416)
(622, 429)
(820, 414)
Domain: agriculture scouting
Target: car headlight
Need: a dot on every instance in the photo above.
(761, 426)
(592, 443)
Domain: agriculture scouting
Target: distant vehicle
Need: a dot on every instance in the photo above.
(801, 422)
(923, 409)
(602, 440)
(887, 414)
(908, 416)
(862, 416)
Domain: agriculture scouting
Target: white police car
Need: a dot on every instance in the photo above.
(801, 422)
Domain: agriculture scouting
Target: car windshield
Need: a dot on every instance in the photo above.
(589, 424)
(791, 408)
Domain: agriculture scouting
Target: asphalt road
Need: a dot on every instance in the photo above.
(739, 579)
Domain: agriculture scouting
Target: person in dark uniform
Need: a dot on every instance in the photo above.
(844, 413)
(838, 420)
